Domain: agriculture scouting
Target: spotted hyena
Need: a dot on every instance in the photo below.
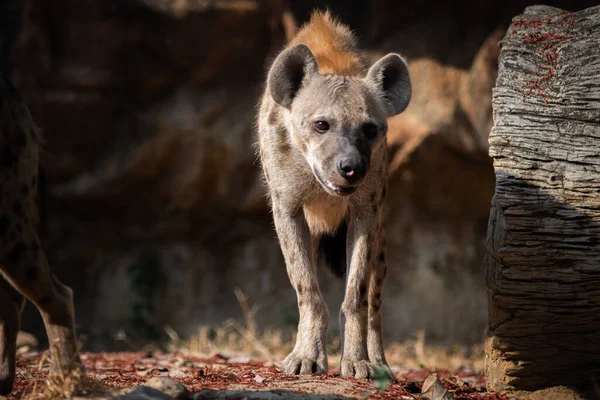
(24, 271)
(322, 140)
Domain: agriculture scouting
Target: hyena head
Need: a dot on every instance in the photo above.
(337, 121)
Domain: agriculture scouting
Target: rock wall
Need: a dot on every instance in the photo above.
(155, 208)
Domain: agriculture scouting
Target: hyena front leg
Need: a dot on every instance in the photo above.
(309, 354)
(354, 314)
(374, 330)
(378, 273)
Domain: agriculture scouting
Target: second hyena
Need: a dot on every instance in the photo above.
(322, 141)
(24, 270)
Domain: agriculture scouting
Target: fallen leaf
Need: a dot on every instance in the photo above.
(434, 389)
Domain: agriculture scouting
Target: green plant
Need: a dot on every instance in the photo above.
(382, 379)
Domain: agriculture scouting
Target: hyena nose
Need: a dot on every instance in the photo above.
(352, 167)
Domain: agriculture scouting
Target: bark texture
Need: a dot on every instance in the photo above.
(543, 272)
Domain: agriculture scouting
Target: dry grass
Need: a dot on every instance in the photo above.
(62, 384)
(274, 345)
(415, 353)
(248, 341)
(235, 337)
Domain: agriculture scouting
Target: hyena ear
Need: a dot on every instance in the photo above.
(390, 75)
(290, 69)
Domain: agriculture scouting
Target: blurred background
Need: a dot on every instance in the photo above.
(155, 211)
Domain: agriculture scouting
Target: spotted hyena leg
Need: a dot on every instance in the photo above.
(354, 314)
(309, 354)
(374, 330)
(11, 304)
(25, 266)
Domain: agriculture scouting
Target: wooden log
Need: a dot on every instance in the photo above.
(543, 264)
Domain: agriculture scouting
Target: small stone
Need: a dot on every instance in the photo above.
(26, 375)
(168, 386)
(143, 393)
(176, 374)
(241, 358)
(156, 389)
(25, 339)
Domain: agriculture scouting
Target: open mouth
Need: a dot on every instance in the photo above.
(332, 187)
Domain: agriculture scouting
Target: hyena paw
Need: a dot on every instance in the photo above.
(298, 364)
(6, 383)
(359, 369)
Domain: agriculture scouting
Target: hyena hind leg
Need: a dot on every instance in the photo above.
(11, 304)
(26, 268)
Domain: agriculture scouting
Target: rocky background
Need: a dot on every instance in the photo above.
(155, 209)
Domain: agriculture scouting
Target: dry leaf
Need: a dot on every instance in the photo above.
(434, 389)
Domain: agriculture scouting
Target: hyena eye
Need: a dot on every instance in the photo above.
(370, 131)
(321, 126)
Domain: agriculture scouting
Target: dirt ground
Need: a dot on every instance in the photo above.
(109, 373)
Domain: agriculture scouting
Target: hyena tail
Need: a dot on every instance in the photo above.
(332, 250)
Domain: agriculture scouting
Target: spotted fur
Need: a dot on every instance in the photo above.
(322, 141)
(24, 270)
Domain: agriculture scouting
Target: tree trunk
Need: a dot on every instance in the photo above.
(543, 266)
